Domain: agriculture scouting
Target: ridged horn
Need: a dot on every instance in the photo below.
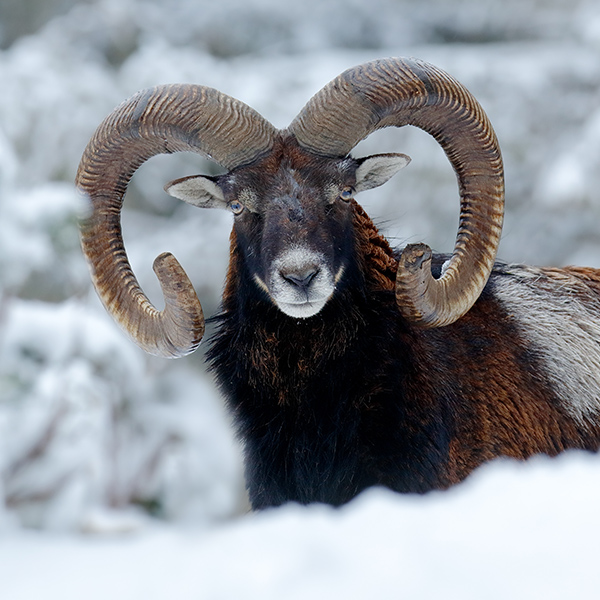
(160, 120)
(397, 92)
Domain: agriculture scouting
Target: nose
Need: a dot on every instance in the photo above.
(301, 278)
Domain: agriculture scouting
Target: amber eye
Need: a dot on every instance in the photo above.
(236, 207)
(346, 194)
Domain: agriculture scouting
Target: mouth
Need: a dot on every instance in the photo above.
(302, 310)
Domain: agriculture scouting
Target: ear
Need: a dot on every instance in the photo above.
(197, 190)
(375, 170)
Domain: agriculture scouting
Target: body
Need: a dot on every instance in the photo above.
(362, 397)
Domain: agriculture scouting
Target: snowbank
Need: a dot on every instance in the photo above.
(512, 531)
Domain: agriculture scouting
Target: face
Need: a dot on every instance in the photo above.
(294, 228)
(293, 219)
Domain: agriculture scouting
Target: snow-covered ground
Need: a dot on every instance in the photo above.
(119, 474)
(521, 533)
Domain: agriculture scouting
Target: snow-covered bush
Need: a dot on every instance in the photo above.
(86, 425)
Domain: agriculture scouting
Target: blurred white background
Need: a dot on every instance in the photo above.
(101, 442)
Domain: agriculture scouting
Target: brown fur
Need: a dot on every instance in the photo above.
(509, 407)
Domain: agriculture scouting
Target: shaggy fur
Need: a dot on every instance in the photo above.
(356, 396)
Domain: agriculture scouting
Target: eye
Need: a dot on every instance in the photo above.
(236, 207)
(346, 194)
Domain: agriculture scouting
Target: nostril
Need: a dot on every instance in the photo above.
(301, 279)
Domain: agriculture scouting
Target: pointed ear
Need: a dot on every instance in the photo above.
(375, 170)
(197, 190)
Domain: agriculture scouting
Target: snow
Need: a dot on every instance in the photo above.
(119, 473)
(521, 532)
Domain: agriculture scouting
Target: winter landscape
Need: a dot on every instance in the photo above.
(119, 473)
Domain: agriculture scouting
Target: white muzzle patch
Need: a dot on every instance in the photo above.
(300, 282)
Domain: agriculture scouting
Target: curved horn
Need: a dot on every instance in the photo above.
(401, 92)
(160, 120)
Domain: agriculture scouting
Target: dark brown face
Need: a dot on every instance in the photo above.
(294, 227)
